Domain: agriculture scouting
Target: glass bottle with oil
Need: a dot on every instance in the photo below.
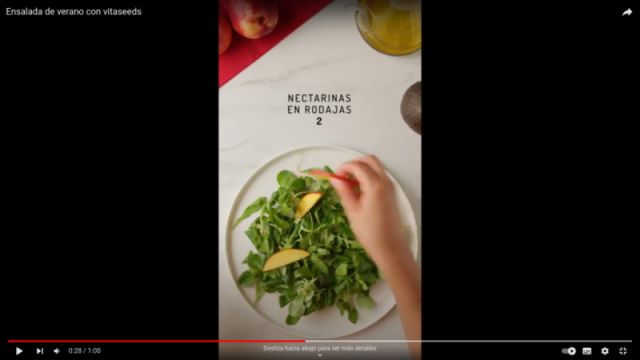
(393, 27)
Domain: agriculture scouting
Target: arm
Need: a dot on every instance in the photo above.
(402, 274)
(374, 218)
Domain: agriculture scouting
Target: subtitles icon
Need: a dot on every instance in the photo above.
(586, 351)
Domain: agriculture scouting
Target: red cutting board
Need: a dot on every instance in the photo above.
(243, 52)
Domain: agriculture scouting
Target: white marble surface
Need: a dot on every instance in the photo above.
(324, 55)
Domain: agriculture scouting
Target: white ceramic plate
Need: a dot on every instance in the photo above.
(326, 323)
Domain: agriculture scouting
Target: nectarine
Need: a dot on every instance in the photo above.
(252, 19)
(224, 34)
(284, 257)
(306, 203)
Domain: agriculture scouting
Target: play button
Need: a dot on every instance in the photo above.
(18, 351)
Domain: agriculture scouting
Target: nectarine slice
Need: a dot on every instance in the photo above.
(325, 175)
(306, 203)
(284, 257)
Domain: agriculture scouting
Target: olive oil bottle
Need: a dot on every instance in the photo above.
(393, 27)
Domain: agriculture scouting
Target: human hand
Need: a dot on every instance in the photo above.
(371, 209)
(375, 220)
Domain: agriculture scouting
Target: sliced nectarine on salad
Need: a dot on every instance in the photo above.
(307, 254)
(284, 257)
(306, 203)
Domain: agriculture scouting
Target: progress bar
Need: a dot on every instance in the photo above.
(147, 341)
(470, 341)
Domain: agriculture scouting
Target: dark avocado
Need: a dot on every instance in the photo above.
(411, 107)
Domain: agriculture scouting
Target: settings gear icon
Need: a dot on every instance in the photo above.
(604, 351)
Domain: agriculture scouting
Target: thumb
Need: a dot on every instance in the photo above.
(346, 193)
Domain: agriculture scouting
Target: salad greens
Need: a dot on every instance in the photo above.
(338, 271)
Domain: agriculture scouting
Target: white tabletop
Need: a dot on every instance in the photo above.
(324, 55)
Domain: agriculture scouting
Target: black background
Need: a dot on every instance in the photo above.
(527, 167)
(111, 139)
(109, 132)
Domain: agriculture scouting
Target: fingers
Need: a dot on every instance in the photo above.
(365, 175)
(371, 175)
(374, 163)
(347, 193)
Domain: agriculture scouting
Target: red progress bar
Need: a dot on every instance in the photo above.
(157, 341)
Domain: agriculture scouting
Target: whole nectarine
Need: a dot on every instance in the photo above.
(252, 19)
(224, 34)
